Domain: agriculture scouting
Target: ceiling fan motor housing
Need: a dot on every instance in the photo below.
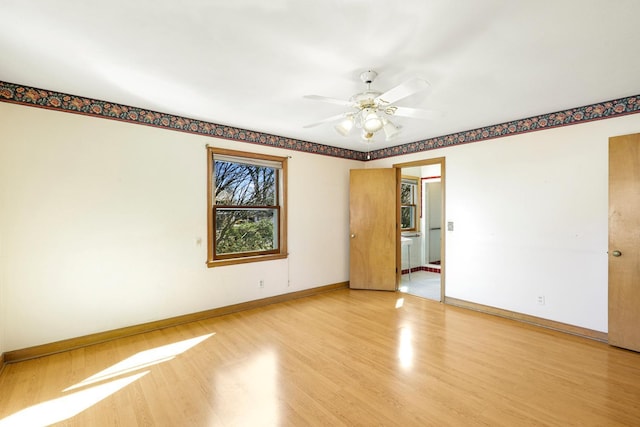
(368, 76)
(365, 99)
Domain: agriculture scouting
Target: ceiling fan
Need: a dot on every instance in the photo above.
(372, 110)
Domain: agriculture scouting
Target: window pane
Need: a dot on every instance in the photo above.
(407, 217)
(244, 185)
(245, 230)
(407, 194)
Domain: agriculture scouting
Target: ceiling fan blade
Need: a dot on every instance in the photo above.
(329, 100)
(403, 90)
(415, 113)
(328, 120)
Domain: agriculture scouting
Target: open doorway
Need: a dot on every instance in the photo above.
(421, 240)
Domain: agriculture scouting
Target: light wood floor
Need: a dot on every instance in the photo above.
(341, 358)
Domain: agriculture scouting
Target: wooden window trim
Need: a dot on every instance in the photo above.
(416, 207)
(247, 257)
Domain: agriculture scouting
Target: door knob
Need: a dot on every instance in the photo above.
(616, 253)
(353, 236)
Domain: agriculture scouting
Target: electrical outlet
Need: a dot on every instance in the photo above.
(262, 283)
(541, 299)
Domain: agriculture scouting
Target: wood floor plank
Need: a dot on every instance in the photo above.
(344, 357)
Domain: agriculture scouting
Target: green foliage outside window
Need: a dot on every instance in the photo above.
(245, 209)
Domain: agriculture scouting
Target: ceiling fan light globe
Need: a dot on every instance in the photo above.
(345, 126)
(390, 130)
(372, 122)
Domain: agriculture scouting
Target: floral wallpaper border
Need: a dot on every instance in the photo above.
(572, 116)
(26, 95)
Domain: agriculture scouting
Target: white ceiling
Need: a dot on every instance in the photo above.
(248, 63)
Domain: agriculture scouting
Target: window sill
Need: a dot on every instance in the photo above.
(244, 260)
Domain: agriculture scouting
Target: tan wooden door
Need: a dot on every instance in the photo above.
(624, 241)
(372, 222)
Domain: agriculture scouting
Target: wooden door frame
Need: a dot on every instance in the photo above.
(426, 162)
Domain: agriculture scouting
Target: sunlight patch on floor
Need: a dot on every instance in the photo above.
(142, 360)
(65, 407)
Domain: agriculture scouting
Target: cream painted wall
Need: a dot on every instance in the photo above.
(530, 215)
(3, 254)
(3, 322)
(102, 220)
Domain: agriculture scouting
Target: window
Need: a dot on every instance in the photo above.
(247, 207)
(408, 204)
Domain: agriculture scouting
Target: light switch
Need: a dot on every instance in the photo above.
(450, 226)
